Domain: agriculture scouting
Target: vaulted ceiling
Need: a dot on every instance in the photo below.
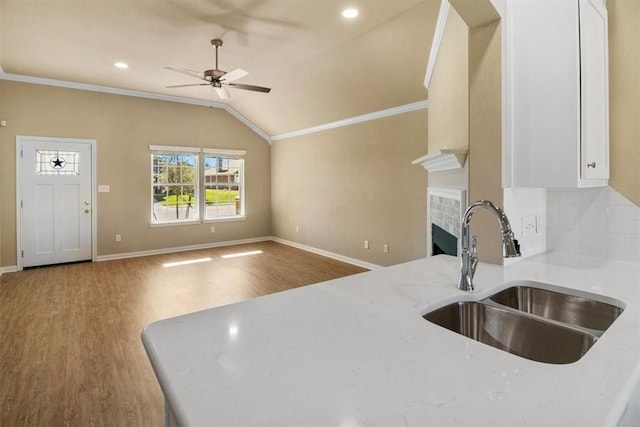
(320, 66)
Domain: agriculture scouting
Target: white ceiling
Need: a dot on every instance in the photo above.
(321, 67)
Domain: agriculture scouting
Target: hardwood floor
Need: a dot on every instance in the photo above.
(70, 349)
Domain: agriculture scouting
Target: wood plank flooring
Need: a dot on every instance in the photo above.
(70, 349)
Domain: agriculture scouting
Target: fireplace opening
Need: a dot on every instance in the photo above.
(443, 242)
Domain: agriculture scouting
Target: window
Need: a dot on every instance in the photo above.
(223, 177)
(178, 197)
(57, 162)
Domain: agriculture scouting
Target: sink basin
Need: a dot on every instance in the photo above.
(533, 320)
(563, 307)
(510, 331)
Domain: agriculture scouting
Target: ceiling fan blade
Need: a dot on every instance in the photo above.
(234, 75)
(223, 93)
(194, 84)
(250, 87)
(196, 74)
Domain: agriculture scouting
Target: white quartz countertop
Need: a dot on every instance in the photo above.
(356, 351)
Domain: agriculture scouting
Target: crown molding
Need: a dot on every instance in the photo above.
(420, 105)
(134, 93)
(437, 39)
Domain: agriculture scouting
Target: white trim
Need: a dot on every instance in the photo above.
(172, 149)
(162, 251)
(94, 195)
(437, 39)
(328, 254)
(8, 269)
(420, 105)
(445, 159)
(182, 100)
(248, 124)
(223, 152)
(134, 93)
(181, 249)
(324, 253)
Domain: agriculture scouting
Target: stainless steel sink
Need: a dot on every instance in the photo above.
(550, 326)
(563, 307)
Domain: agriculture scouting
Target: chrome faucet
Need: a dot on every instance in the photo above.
(510, 246)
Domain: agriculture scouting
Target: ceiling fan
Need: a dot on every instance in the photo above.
(217, 78)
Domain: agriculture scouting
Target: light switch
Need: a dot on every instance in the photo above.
(104, 189)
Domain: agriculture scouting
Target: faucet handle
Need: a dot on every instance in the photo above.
(473, 256)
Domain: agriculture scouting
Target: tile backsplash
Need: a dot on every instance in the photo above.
(595, 222)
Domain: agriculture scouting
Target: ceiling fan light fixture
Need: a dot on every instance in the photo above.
(222, 92)
(350, 13)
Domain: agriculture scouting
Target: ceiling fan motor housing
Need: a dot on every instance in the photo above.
(212, 75)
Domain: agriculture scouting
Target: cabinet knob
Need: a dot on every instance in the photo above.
(591, 165)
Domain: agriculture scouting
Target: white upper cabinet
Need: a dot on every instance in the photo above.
(555, 94)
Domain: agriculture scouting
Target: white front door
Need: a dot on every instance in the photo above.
(55, 200)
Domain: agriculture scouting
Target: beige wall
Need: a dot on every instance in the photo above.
(355, 183)
(449, 88)
(485, 145)
(624, 96)
(124, 127)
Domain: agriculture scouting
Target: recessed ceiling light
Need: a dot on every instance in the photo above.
(350, 13)
(122, 65)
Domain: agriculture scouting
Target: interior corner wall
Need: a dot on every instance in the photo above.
(343, 186)
(624, 97)
(449, 88)
(449, 104)
(124, 127)
(485, 146)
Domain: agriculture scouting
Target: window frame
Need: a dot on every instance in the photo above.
(200, 182)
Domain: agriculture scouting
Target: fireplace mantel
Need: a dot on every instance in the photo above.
(444, 159)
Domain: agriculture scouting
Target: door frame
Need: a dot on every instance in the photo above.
(94, 199)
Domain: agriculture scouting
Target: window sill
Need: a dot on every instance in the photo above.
(226, 219)
(174, 223)
(197, 221)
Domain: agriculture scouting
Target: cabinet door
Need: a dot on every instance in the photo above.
(594, 158)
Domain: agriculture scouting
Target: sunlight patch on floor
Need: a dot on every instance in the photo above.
(186, 262)
(239, 254)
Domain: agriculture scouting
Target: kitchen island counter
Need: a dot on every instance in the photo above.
(356, 351)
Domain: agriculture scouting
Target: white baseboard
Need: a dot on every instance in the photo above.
(8, 269)
(328, 254)
(359, 263)
(180, 249)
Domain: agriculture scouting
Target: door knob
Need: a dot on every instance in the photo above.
(591, 165)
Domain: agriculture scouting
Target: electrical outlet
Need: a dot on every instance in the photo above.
(297, 228)
(529, 225)
(385, 248)
(366, 244)
(118, 237)
(213, 229)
